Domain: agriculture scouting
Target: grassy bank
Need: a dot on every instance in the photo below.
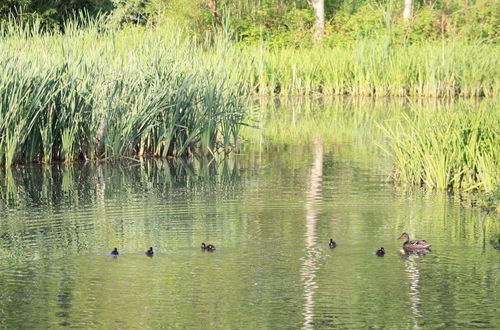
(92, 94)
(378, 68)
(448, 148)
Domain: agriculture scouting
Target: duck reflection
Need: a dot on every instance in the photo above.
(405, 253)
(311, 260)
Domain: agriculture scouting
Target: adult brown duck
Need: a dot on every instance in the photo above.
(414, 244)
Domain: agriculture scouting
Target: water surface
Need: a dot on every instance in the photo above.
(271, 215)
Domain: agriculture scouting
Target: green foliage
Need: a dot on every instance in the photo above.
(283, 24)
(425, 26)
(431, 21)
(51, 14)
(480, 22)
(367, 22)
(130, 11)
(275, 26)
(191, 15)
(290, 24)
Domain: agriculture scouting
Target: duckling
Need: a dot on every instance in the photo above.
(332, 244)
(150, 252)
(208, 247)
(414, 244)
(380, 252)
(115, 252)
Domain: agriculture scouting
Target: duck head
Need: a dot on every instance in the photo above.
(405, 237)
(203, 246)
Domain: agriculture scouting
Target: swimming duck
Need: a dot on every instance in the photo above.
(380, 252)
(414, 244)
(208, 247)
(115, 252)
(150, 252)
(332, 244)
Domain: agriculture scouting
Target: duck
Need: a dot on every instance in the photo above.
(380, 252)
(115, 252)
(332, 244)
(208, 247)
(414, 244)
(150, 252)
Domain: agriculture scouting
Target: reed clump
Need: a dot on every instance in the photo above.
(444, 148)
(93, 94)
(371, 67)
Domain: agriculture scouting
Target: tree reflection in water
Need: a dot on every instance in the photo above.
(414, 277)
(313, 254)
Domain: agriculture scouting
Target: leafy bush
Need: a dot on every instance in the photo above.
(130, 11)
(51, 14)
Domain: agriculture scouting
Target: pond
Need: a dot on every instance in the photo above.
(270, 212)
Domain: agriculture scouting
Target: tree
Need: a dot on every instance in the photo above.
(319, 11)
(408, 9)
(212, 5)
(53, 13)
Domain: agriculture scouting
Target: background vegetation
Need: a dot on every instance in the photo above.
(286, 23)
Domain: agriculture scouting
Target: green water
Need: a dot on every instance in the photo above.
(270, 214)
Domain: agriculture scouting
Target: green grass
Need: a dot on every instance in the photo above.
(448, 148)
(94, 94)
(377, 68)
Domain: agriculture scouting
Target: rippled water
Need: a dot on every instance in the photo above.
(270, 215)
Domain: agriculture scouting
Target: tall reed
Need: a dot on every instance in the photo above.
(378, 68)
(448, 148)
(90, 93)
